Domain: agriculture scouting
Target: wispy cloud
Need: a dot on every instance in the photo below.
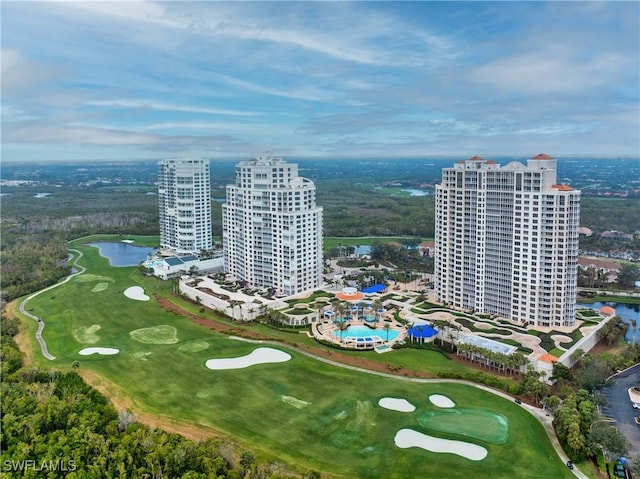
(157, 105)
(319, 78)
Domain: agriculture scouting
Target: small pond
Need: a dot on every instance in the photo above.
(626, 311)
(122, 254)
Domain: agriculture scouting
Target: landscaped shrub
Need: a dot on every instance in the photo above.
(483, 378)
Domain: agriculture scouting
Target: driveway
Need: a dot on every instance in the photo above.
(619, 407)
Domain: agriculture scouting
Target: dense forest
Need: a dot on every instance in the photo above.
(34, 231)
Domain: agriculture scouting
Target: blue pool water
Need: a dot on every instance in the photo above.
(365, 332)
(122, 254)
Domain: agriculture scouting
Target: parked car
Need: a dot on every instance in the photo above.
(570, 465)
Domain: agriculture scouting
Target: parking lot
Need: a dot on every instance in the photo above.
(619, 406)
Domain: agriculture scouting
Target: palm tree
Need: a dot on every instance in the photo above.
(342, 326)
(377, 305)
(634, 325)
(387, 327)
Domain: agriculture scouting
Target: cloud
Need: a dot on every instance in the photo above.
(320, 78)
(20, 74)
(553, 71)
(161, 106)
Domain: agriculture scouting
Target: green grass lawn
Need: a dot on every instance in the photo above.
(304, 411)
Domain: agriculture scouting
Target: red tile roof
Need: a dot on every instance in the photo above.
(542, 156)
(475, 158)
(548, 358)
(599, 263)
(562, 187)
(607, 310)
(491, 162)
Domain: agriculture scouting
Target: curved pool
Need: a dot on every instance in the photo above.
(363, 332)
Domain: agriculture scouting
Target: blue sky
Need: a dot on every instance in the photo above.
(147, 80)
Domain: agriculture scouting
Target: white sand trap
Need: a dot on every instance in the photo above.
(127, 241)
(406, 438)
(295, 402)
(101, 351)
(137, 293)
(257, 356)
(395, 404)
(441, 401)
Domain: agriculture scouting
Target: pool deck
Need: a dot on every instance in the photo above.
(329, 331)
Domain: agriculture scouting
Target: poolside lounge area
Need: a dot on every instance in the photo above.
(360, 334)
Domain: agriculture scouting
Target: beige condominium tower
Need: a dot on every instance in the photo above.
(507, 241)
(185, 205)
(272, 228)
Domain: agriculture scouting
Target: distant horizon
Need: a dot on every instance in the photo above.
(138, 81)
(343, 158)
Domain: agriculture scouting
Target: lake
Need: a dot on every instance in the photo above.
(122, 254)
(626, 311)
(415, 192)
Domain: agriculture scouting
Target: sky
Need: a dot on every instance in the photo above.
(123, 80)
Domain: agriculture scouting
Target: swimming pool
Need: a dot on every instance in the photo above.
(362, 333)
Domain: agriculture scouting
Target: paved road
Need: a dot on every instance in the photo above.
(619, 407)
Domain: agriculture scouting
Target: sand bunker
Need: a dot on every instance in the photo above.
(441, 401)
(257, 356)
(87, 334)
(137, 293)
(406, 438)
(101, 351)
(127, 241)
(395, 404)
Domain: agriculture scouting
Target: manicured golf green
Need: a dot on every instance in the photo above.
(302, 411)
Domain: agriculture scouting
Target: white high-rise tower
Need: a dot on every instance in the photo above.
(507, 241)
(272, 228)
(185, 205)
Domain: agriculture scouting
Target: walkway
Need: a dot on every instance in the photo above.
(39, 320)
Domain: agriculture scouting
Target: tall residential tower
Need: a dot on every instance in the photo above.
(272, 228)
(507, 241)
(185, 205)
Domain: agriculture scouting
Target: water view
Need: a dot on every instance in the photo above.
(416, 192)
(626, 311)
(122, 254)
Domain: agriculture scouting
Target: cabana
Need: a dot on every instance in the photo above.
(422, 333)
(375, 288)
